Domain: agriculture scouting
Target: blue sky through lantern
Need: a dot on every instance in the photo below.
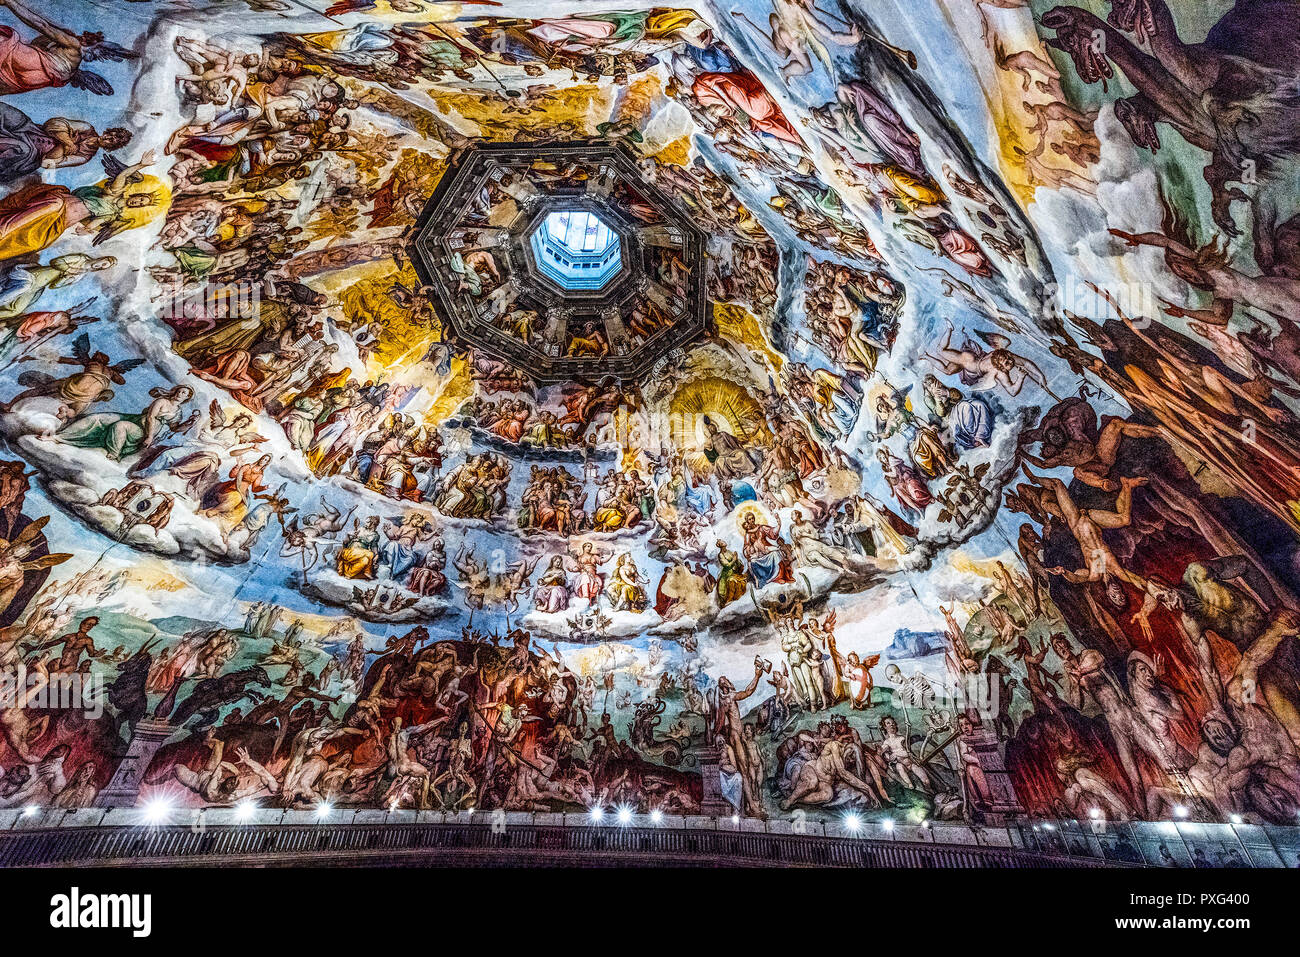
(576, 249)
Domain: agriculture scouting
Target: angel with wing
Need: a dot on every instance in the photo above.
(515, 582)
(54, 57)
(16, 560)
(857, 669)
(474, 579)
(266, 505)
(240, 427)
(111, 204)
(26, 332)
(982, 370)
(298, 541)
(80, 389)
(326, 523)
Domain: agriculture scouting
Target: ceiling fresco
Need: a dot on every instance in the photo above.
(930, 454)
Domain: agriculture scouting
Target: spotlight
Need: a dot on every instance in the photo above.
(925, 822)
(244, 811)
(323, 810)
(157, 811)
(735, 819)
(1094, 813)
(1049, 827)
(597, 813)
(1235, 818)
(1180, 810)
(656, 816)
(624, 815)
(887, 824)
(30, 810)
(852, 823)
(470, 810)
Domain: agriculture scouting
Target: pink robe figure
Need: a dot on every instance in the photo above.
(908, 486)
(573, 33)
(745, 93)
(512, 427)
(24, 67)
(426, 581)
(963, 250)
(590, 583)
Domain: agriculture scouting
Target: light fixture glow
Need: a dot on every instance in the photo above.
(656, 816)
(245, 810)
(624, 815)
(852, 823)
(157, 811)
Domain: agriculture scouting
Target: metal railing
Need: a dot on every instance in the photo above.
(159, 833)
(409, 844)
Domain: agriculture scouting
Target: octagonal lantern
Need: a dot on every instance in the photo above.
(562, 260)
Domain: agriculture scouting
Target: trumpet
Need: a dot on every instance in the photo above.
(907, 56)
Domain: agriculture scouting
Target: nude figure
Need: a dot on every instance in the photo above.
(981, 370)
(818, 778)
(1086, 525)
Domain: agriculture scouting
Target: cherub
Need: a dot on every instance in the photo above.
(981, 370)
(54, 57)
(241, 426)
(80, 389)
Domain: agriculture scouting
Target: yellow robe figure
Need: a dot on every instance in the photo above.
(357, 558)
(33, 219)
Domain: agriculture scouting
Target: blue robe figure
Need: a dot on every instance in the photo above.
(972, 423)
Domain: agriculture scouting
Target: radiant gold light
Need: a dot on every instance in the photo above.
(733, 409)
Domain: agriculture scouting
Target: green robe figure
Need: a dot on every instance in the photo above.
(731, 577)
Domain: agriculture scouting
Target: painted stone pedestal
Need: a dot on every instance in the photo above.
(712, 803)
(124, 789)
(1001, 802)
